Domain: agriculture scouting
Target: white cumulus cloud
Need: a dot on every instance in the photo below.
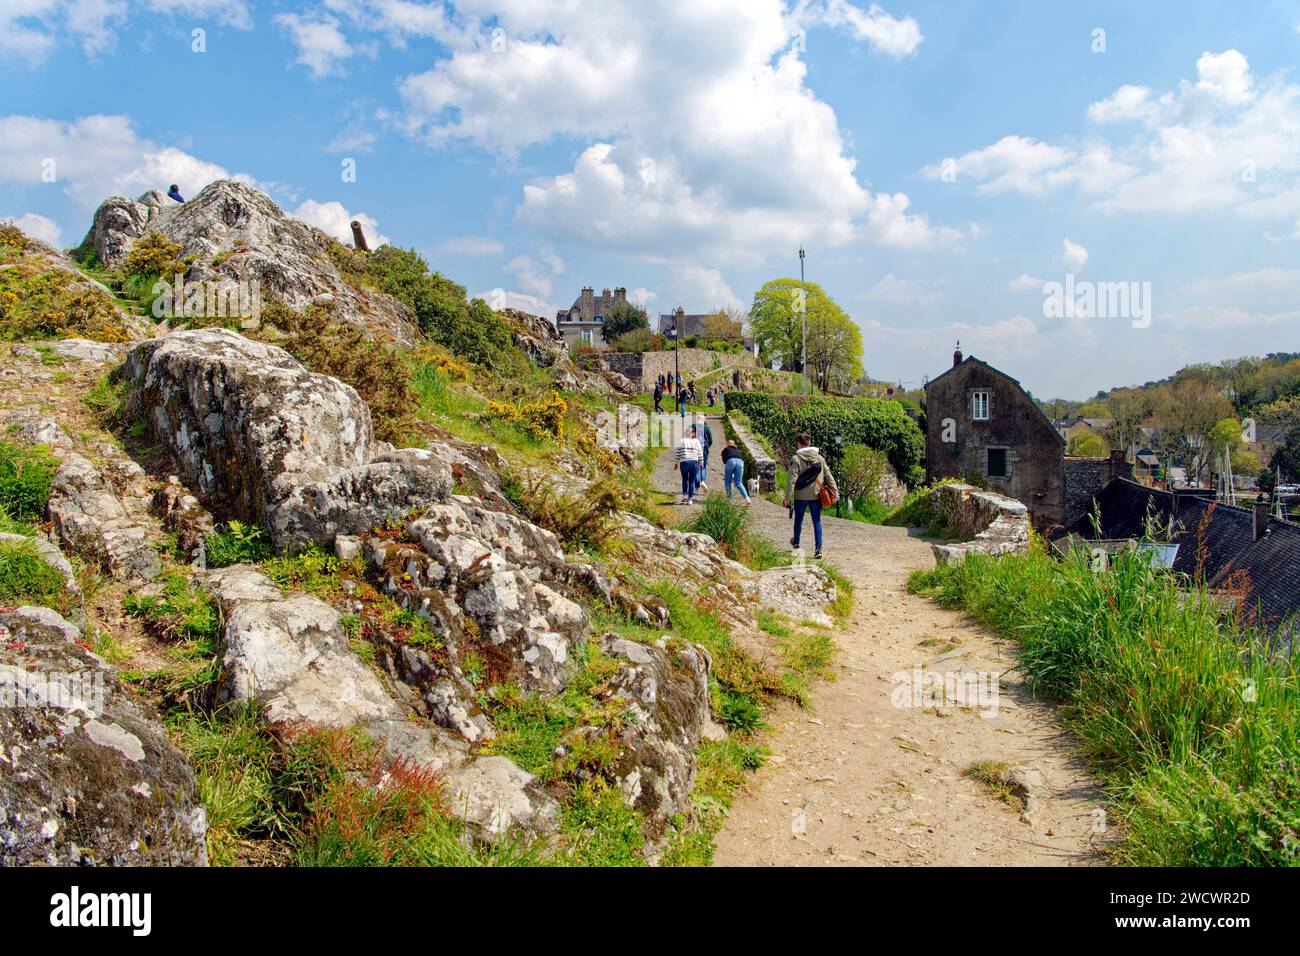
(334, 218)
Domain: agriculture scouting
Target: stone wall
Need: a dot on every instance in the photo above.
(758, 463)
(994, 523)
(644, 368)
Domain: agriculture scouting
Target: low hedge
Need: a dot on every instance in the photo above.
(835, 424)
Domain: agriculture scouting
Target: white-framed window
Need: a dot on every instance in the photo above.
(979, 406)
(586, 336)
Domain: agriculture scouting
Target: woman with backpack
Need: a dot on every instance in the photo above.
(810, 487)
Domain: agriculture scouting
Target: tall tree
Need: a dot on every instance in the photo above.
(834, 341)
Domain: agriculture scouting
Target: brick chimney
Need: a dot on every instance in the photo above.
(956, 355)
(1259, 515)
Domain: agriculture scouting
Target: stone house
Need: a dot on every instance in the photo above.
(981, 425)
(581, 323)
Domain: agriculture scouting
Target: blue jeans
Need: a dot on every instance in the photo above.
(704, 465)
(813, 507)
(690, 478)
(734, 472)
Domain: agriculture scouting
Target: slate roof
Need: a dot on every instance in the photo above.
(1215, 540)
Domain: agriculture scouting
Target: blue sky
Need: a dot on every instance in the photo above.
(685, 150)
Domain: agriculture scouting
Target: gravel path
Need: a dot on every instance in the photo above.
(857, 780)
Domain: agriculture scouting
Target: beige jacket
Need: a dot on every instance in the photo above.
(803, 459)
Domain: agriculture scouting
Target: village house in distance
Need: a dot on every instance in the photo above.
(581, 324)
(980, 424)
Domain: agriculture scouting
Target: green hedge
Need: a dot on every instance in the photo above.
(835, 424)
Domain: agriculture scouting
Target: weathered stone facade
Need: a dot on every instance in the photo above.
(980, 422)
(1085, 478)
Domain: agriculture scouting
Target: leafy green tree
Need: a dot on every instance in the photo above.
(834, 342)
(1287, 457)
(623, 318)
(1088, 445)
(469, 328)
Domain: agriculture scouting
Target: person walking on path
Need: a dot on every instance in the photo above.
(733, 470)
(705, 434)
(659, 394)
(689, 456)
(806, 494)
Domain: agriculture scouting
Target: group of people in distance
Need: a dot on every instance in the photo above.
(669, 385)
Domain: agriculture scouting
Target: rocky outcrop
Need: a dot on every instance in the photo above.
(666, 687)
(236, 232)
(290, 656)
(487, 582)
(87, 777)
(994, 523)
(801, 592)
(268, 442)
(91, 518)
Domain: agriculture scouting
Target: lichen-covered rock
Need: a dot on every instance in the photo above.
(272, 443)
(479, 577)
(86, 775)
(183, 515)
(802, 593)
(994, 523)
(90, 518)
(257, 242)
(290, 656)
(392, 484)
(496, 797)
(35, 429)
(117, 223)
(666, 686)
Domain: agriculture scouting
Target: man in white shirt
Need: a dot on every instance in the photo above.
(689, 456)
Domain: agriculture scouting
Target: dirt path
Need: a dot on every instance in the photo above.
(856, 780)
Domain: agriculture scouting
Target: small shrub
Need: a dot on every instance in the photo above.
(237, 543)
(579, 521)
(330, 346)
(544, 419)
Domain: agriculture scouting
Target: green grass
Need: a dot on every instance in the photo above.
(531, 728)
(182, 613)
(25, 578)
(721, 769)
(600, 829)
(1192, 721)
(26, 473)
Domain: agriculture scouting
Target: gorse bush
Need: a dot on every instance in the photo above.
(470, 329)
(330, 346)
(40, 301)
(1191, 716)
(544, 419)
(26, 473)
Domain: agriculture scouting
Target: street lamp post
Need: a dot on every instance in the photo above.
(677, 354)
(803, 301)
